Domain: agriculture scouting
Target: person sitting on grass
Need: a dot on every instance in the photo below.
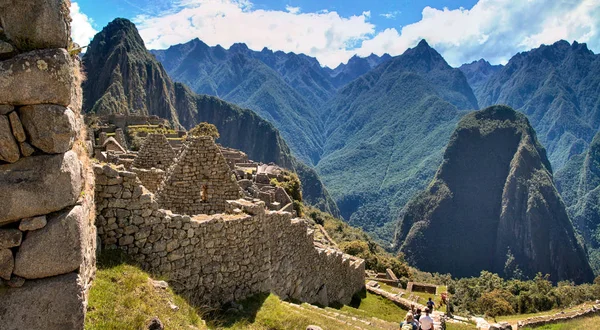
(426, 321)
(409, 323)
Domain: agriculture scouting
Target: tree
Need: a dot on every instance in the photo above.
(205, 129)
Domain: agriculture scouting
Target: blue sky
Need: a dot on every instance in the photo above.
(333, 31)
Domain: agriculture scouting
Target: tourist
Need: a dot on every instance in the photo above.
(426, 321)
(430, 304)
(409, 323)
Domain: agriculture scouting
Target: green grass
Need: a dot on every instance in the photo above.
(268, 312)
(587, 323)
(122, 298)
(373, 305)
(460, 326)
(423, 296)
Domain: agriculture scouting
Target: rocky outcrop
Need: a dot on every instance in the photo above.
(493, 206)
(47, 232)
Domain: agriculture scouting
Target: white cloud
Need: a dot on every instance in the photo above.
(391, 14)
(292, 10)
(492, 29)
(81, 27)
(325, 35)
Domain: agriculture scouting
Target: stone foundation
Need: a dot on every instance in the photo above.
(214, 259)
(47, 232)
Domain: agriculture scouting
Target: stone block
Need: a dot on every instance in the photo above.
(7, 263)
(51, 128)
(26, 149)
(37, 77)
(17, 127)
(36, 24)
(55, 303)
(5, 109)
(55, 249)
(10, 238)
(9, 149)
(39, 185)
(34, 223)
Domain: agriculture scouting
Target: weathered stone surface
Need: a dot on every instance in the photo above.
(5, 47)
(34, 223)
(17, 127)
(10, 238)
(51, 128)
(55, 303)
(26, 149)
(15, 282)
(9, 149)
(37, 77)
(39, 185)
(5, 109)
(7, 263)
(56, 249)
(36, 24)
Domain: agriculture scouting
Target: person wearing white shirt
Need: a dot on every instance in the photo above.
(426, 321)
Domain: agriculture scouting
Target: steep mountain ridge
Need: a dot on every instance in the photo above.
(123, 77)
(385, 135)
(493, 204)
(556, 86)
(239, 75)
(479, 72)
(356, 67)
(579, 184)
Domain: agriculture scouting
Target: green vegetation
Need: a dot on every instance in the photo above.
(205, 129)
(356, 242)
(370, 305)
(122, 297)
(493, 296)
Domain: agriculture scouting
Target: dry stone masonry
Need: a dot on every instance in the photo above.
(155, 152)
(200, 182)
(47, 232)
(214, 259)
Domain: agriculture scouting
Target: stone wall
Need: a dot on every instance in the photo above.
(155, 152)
(214, 259)
(151, 179)
(47, 232)
(200, 182)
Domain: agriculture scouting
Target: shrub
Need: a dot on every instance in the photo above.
(205, 129)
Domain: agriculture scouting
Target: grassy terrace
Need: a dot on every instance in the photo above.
(587, 323)
(123, 297)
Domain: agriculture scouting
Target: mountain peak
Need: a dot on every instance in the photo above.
(423, 43)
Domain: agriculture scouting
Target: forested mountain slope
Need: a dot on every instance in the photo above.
(493, 206)
(386, 132)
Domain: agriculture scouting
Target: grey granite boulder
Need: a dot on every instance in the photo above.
(39, 185)
(55, 249)
(54, 303)
(37, 77)
(51, 128)
(10, 238)
(7, 263)
(36, 24)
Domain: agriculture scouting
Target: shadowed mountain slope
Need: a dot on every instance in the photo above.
(356, 67)
(493, 206)
(123, 77)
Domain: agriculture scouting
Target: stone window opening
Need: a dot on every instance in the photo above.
(204, 193)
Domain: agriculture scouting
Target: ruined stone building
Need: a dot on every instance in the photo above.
(213, 246)
(47, 232)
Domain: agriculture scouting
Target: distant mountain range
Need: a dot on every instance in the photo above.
(123, 77)
(375, 128)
